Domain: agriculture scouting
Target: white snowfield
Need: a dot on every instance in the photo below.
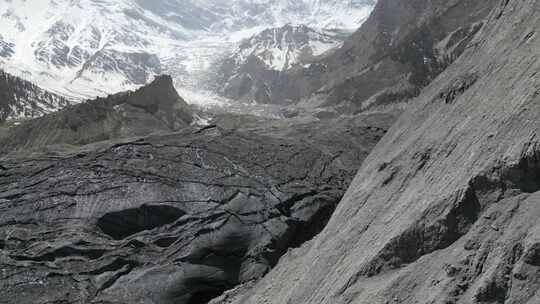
(85, 48)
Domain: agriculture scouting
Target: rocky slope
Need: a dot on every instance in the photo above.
(153, 108)
(88, 48)
(21, 99)
(168, 219)
(400, 48)
(446, 208)
(176, 217)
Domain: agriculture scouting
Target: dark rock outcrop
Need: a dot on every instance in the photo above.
(446, 208)
(175, 218)
(152, 108)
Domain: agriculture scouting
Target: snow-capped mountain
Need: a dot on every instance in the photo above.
(260, 64)
(285, 47)
(234, 15)
(21, 99)
(83, 48)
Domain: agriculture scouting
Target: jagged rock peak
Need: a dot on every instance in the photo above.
(163, 81)
(160, 93)
(156, 107)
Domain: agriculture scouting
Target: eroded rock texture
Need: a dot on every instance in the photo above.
(175, 218)
(446, 209)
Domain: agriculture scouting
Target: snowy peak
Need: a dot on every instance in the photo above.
(257, 71)
(84, 48)
(286, 47)
(20, 99)
(233, 15)
(325, 14)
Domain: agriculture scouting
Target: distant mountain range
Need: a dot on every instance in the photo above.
(254, 70)
(85, 48)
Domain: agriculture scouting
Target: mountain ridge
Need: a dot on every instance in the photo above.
(20, 99)
(94, 48)
(156, 107)
(253, 72)
(387, 61)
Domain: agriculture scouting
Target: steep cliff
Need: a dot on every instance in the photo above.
(446, 209)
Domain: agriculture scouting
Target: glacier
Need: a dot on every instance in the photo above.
(87, 48)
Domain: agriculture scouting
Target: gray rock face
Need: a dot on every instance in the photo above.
(155, 107)
(175, 218)
(400, 49)
(56, 50)
(446, 208)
